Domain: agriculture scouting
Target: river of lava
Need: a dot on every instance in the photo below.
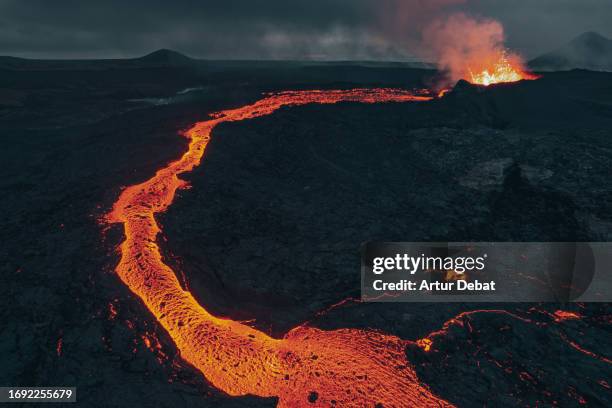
(308, 366)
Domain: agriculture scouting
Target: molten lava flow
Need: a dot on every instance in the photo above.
(443, 92)
(308, 367)
(503, 69)
(562, 315)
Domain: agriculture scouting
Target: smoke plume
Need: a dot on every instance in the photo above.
(462, 46)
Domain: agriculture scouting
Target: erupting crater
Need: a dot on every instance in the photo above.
(502, 68)
(308, 366)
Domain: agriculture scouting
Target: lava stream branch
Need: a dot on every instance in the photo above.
(308, 366)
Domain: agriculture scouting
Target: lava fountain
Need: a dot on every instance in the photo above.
(502, 69)
(308, 366)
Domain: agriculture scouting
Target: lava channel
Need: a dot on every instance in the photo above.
(308, 366)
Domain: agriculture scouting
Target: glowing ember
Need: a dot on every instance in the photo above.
(502, 70)
(59, 346)
(443, 92)
(308, 366)
(562, 315)
(424, 343)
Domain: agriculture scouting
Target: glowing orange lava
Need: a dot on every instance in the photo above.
(308, 366)
(498, 70)
(424, 343)
(562, 315)
(443, 92)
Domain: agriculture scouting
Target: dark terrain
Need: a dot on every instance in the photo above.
(271, 228)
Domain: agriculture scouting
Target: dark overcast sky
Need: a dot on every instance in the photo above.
(275, 29)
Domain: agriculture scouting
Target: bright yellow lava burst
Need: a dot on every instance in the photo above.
(502, 71)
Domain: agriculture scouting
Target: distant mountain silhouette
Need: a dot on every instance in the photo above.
(589, 50)
(166, 57)
(158, 59)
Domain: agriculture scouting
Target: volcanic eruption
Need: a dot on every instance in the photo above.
(307, 366)
(473, 49)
